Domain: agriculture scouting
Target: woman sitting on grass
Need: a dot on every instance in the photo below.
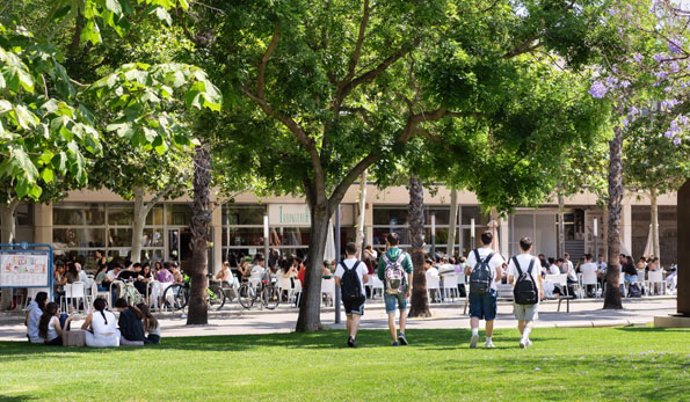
(49, 327)
(151, 325)
(33, 317)
(101, 327)
(131, 330)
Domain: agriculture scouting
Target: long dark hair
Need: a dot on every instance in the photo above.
(99, 304)
(49, 312)
(150, 322)
(41, 298)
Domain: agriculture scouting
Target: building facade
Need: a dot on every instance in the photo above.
(87, 221)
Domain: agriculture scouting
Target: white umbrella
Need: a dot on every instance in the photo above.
(330, 252)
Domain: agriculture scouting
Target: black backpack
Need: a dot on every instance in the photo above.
(634, 290)
(350, 285)
(526, 290)
(481, 277)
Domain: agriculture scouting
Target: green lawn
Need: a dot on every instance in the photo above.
(563, 364)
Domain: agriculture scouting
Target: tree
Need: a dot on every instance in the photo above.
(653, 164)
(415, 216)
(323, 92)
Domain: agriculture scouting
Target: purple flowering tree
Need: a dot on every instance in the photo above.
(645, 74)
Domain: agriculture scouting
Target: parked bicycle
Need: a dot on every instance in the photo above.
(265, 291)
(176, 296)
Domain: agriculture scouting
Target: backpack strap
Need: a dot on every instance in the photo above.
(517, 265)
(401, 257)
(531, 265)
(386, 259)
(342, 264)
(488, 258)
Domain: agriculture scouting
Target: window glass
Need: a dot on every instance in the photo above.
(243, 214)
(77, 215)
(243, 237)
(442, 215)
(179, 214)
(152, 238)
(122, 215)
(120, 237)
(474, 212)
(390, 216)
(155, 216)
(79, 238)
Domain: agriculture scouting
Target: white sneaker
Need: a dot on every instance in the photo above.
(529, 342)
(473, 341)
(489, 344)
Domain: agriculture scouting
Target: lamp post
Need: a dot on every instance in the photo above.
(596, 246)
(337, 261)
(433, 237)
(266, 240)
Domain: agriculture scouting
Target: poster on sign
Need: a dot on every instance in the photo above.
(24, 269)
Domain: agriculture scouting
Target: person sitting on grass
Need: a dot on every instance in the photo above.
(151, 325)
(33, 317)
(101, 327)
(49, 327)
(131, 329)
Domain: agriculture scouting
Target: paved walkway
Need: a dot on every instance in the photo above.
(232, 321)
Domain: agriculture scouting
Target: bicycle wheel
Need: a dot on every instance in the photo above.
(175, 297)
(247, 296)
(270, 297)
(216, 297)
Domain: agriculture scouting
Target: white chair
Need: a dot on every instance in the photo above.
(654, 278)
(328, 289)
(285, 285)
(504, 291)
(589, 278)
(433, 282)
(95, 294)
(74, 292)
(297, 291)
(561, 280)
(376, 284)
(450, 286)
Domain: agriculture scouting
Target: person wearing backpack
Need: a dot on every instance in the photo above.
(484, 269)
(350, 275)
(395, 270)
(523, 274)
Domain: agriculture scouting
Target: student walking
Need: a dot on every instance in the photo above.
(523, 274)
(350, 275)
(395, 270)
(484, 269)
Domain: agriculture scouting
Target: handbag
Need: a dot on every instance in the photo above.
(75, 337)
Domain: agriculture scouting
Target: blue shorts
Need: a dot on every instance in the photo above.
(397, 300)
(483, 306)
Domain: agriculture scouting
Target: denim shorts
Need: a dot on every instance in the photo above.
(396, 300)
(483, 306)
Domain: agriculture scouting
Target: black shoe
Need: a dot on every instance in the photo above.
(402, 339)
(395, 343)
(351, 342)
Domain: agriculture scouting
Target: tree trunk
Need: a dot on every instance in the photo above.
(309, 319)
(561, 226)
(362, 201)
(612, 299)
(141, 211)
(450, 250)
(420, 299)
(654, 207)
(201, 218)
(8, 232)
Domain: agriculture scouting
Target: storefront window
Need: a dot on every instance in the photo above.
(178, 214)
(79, 214)
(79, 238)
(235, 215)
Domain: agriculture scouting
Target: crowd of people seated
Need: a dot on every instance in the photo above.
(134, 325)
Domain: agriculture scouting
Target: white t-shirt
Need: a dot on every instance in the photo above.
(99, 325)
(571, 271)
(554, 270)
(52, 332)
(257, 271)
(35, 314)
(361, 270)
(524, 261)
(432, 271)
(588, 267)
(495, 262)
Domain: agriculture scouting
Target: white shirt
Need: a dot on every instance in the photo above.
(99, 325)
(571, 271)
(554, 270)
(495, 262)
(52, 332)
(524, 261)
(588, 267)
(35, 314)
(257, 271)
(361, 270)
(432, 271)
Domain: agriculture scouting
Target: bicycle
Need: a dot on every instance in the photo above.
(264, 290)
(176, 296)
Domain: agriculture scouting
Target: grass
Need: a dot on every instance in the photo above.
(563, 364)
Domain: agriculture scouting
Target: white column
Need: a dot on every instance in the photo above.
(369, 222)
(504, 236)
(626, 231)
